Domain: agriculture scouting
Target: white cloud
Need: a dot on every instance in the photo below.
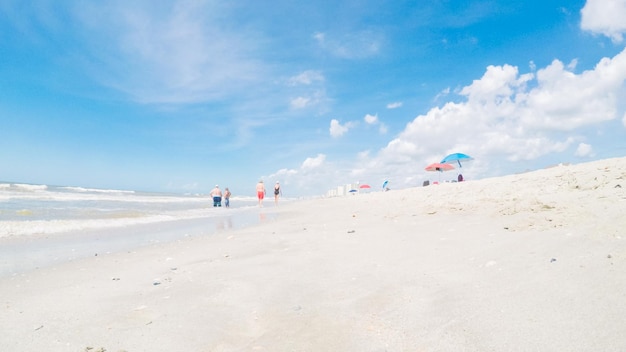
(306, 178)
(306, 78)
(511, 116)
(403, 146)
(442, 94)
(300, 102)
(319, 37)
(607, 17)
(584, 150)
(496, 86)
(312, 163)
(566, 101)
(561, 100)
(394, 105)
(309, 99)
(504, 117)
(572, 65)
(193, 56)
(356, 45)
(283, 173)
(338, 130)
(371, 119)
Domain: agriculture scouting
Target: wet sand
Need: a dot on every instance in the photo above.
(21, 254)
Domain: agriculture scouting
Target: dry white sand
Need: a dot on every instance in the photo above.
(530, 262)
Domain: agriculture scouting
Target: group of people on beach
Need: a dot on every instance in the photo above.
(216, 194)
(260, 192)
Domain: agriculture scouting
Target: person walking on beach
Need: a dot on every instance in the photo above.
(227, 197)
(277, 192)
(216, 193)
(260, 192)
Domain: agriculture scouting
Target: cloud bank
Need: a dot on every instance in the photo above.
(504, 114)
(606, 17)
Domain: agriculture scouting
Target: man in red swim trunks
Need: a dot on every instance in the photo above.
(260, 192)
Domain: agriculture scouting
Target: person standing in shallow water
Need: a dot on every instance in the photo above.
(260, 192)
(227, 197)
(216, 193)
(277, 192)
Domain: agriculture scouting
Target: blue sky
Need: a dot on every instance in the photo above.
(180, 96)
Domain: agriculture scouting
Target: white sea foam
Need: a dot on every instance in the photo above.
(27, 187)
(96, 190)
(117, 220)
(75, 194)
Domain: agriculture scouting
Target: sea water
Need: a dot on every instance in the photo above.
(40, 209)
(42, 225)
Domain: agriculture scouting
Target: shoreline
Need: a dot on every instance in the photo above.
(23, 253)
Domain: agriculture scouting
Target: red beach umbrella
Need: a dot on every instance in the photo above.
(439, 167)
(365, 186)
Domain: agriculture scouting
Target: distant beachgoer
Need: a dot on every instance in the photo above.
(260, 192)
(216, 193)
(277, 192)
(460, 178)
(227, 195)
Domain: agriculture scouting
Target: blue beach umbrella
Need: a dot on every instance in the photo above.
(385, 185)
(456, 158)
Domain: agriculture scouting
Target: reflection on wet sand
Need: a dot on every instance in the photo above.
(224, 223)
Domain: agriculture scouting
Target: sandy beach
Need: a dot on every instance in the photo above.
(528, 262)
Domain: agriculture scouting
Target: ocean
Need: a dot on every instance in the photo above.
(42, 224)
(40, 209)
